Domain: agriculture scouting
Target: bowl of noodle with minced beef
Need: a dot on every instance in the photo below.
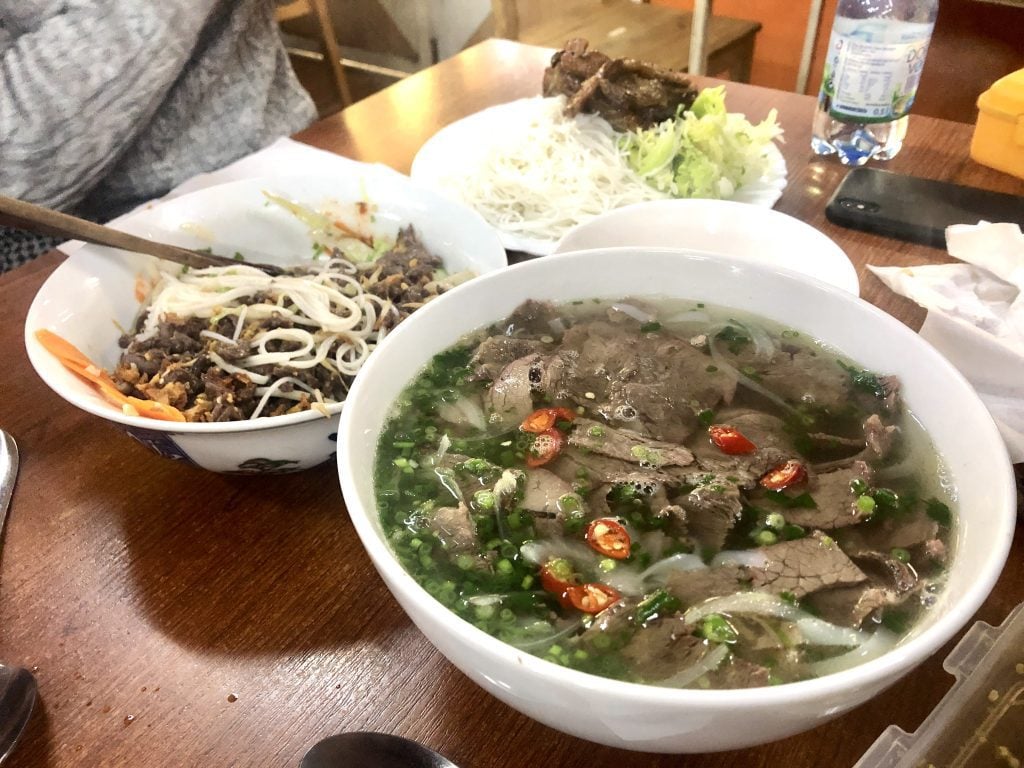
(229, 368)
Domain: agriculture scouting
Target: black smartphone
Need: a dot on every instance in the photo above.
(915, 209)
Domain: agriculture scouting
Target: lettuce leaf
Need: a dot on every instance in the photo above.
(704, 151)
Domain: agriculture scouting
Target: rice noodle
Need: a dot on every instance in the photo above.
(335, 321)
(274, 390)
(349, 356)
(548, 173)
(217, 337)
(239, 323)
(224, 365)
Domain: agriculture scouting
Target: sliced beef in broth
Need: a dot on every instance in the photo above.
(798, 568)
(697, 502)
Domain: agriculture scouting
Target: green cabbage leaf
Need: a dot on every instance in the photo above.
(704, 151)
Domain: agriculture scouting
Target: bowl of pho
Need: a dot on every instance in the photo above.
(229, 368)
(695, 505)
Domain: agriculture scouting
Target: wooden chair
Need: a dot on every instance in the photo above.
(697, 42)
(330, 51)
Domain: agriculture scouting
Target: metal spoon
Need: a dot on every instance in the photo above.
(363, 749)
(36, 218)
(17, 685)
(17, 698)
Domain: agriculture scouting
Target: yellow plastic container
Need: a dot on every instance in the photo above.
(999, 133)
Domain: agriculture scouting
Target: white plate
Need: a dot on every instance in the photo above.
(721, 227)
(458, 148)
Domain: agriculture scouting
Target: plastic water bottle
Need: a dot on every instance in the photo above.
(875, 56)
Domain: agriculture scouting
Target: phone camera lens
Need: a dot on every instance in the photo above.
(863, 206)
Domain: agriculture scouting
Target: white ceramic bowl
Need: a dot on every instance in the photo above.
(724, 227)
(90, 297)
(655, 719)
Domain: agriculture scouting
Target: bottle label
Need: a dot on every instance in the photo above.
(873, 67)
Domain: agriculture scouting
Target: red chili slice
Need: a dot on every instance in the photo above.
(609, 537)
(556, 578)
(730, 440)
(593, 597)
(546, 446)
(544, 419)
(783, 476)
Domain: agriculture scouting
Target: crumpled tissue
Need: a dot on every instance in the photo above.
(976, 316)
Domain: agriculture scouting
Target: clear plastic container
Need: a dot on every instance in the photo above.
(980, 721)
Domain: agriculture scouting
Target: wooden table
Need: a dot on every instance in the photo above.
(179, 618)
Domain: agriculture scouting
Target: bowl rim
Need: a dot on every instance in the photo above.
(678, 207)
(372, 173)
(890, 666)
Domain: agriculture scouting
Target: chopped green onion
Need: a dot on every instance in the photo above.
(655, 605)
(765, 538)
(865, 505)
(900, 554)
(718, 630)
(483, 612)
(790, 532)
(939, 512)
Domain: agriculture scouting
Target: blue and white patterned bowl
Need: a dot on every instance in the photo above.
(90, 298)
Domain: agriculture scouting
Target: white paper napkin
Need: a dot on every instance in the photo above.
(976, 316)
(285, 157)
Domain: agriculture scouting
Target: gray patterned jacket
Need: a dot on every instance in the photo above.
(107, 103)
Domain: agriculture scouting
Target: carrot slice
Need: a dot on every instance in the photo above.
(72, 358)
(62, 349)
(151, 409)
(142, 288)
